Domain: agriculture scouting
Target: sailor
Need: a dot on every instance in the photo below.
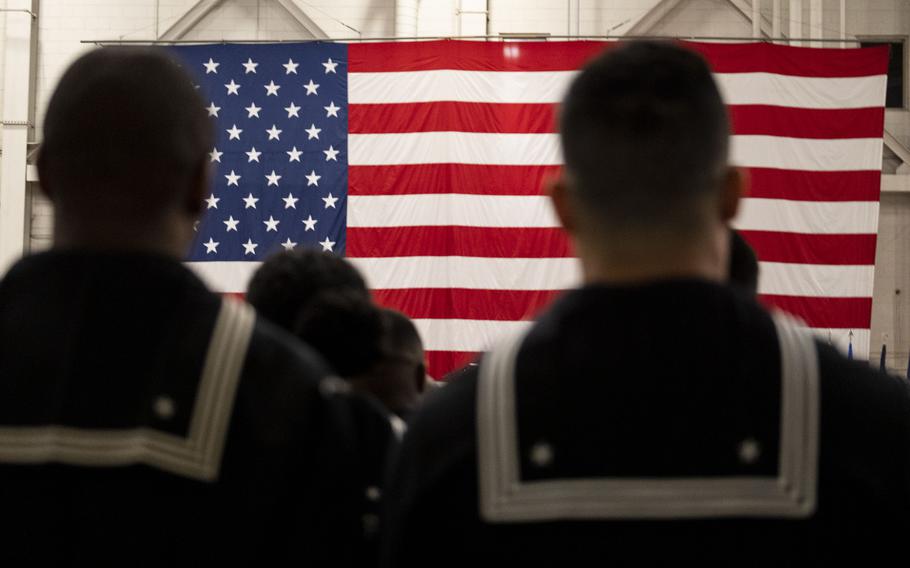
(654, 416)
(145, 420)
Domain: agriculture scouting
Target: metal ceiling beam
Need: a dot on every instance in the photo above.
(303, 19)
(190, 18)
(647, 21)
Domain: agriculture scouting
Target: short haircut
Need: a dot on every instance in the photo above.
(743, 264)
(125, 133)
(645, 136)
(345, 328)
(401, 341)
(289, 281)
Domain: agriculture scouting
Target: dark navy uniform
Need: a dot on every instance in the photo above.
(145, 420)
(676, 422)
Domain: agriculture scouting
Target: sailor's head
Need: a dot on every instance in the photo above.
(125, 145)
(645, 140)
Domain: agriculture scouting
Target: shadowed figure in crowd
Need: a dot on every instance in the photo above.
(144, 419)
(376, 349)
(655, 415)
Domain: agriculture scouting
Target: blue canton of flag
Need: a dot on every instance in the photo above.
(280, 156)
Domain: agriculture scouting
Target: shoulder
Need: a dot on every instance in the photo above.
(853, 386)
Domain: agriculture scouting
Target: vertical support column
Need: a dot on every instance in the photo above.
(756, 18)
(843, 23)
(816, 11)
(796, 21)
(775, 19)
(406, 18)
(16, 127)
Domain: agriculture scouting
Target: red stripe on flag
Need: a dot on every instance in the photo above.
(448, 178)
(471, 55)
(441, 363)
(449, 116)
(489, 242)
(570, 55)
(797, 61)
(465, 303)
(770, 183)
(834, 313)
(802, 248)
(807, 123)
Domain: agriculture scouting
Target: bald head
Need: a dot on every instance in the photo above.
(125, 142)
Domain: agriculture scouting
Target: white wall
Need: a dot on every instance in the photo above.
(64, 23)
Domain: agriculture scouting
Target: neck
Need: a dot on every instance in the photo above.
(649, 259)
(166, 239)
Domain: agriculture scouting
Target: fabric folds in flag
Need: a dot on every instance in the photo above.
(442, 148)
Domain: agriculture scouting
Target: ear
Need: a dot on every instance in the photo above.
(199, 186)
(421, 376)
(734, 185)
(557, 188)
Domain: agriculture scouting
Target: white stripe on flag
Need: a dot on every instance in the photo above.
(465, 335)
(225, 277)
(550, 86)
(819, 217)
(544, 150)
(470, 272)
(822, 217)
(450, 209)
(817, 280)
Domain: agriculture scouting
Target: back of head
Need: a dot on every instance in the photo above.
(645, 139)
(345, 328)
(288, 282)
(125, 138)
(401, 340)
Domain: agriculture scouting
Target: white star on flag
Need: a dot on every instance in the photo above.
(312, 178)
(232, 179)
(274, 133)
(290, 202)
(273, 178)
(250, 201)
(294, 154)
(330, 201)
(327, 245)
(211, 246)
(212, 201)
(310, 223)
(311, 88)
(253, 110)
(249, 66)
(211, 66)
(253, 155)
(213, 110)
(231, 224)
(249, 247)
(271, 224)
(292, 110)
(331, 154)
(288, 245)
(215, 155)
(232, 88)
(330, 66)
(290, 67)
(271, 90)
(234, 132)
(313, 132)
(331, 110)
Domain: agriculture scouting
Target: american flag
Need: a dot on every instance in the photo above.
(422, 162)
